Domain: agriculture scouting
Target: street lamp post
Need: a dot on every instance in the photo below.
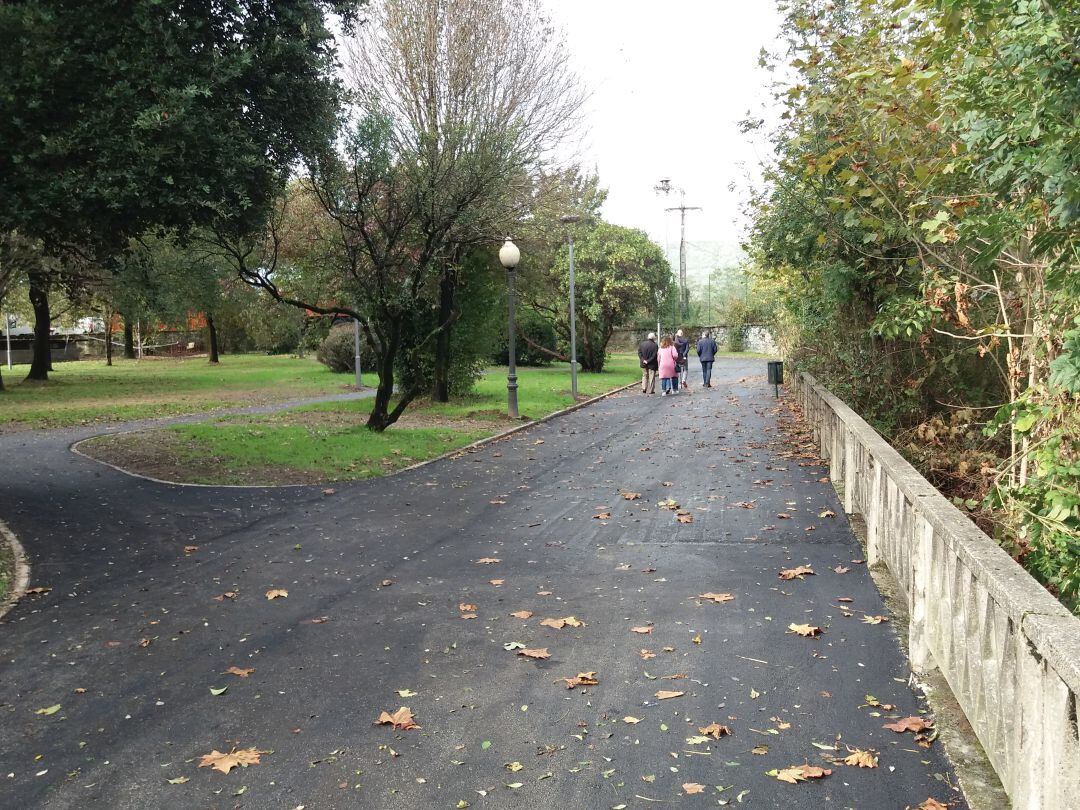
(356, 351)
(570, 219)
(509, 256)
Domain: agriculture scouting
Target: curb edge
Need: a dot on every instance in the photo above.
(22, 570)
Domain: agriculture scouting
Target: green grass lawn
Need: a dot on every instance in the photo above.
(88, 391)
(329, 441)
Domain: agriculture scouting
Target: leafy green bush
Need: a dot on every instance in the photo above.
(337, 351)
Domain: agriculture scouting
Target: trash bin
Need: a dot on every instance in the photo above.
(776, 375)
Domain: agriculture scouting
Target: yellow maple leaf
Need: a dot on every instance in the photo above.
(237, 758)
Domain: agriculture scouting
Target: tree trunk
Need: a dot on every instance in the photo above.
(213, 339)
(129, 339)
(39, 300)
(108, 338)
(440, 390)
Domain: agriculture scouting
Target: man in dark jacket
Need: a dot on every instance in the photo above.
(682, 346)
(706, 353)
(647, 352)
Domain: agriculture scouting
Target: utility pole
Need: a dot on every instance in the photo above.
(664, 187)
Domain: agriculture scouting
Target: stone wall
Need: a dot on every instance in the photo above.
(1009, 651)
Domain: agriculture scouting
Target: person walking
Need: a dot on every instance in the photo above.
(647, 352)
(682, 346)
(706, 355)
(669, 368)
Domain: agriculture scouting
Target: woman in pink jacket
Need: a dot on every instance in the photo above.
(669, 369)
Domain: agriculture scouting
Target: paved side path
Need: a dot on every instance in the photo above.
(136, 631)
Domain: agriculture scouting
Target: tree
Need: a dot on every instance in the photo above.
(120, 116)
(618, 273)
(477, 93)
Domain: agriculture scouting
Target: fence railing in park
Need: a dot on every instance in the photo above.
(1009, 651)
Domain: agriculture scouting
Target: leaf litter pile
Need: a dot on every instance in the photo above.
(663, 675)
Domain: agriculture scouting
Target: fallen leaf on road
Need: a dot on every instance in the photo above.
(513, 767)
(799, 773)
(718, 598)
(559, 624)
(241, 758)
(841, 569)
(238, 672)
(761, 750)
(827, 513)
(631, 496)
(691, 788)
(145, 642)
(39, 590)
(784, 516)
(715, 730)
(646, 654)
(796, 573)
(224, 596)
(874, 619)
(179, 780)
(668, 503)
(861, 759)
(642, 630)
(403, 719)
(666, 695)
(932, 804)
(807, 630)
(915, 724)
(275, 593)
(406, 693)
(496, 501)
(581, 679)
(602, 516)
(329, 491)
(667, 483)
(496, 582)
(386, 583)
(539, 652)
(488, 561)
(631, 720)
(49, 710)
(522, 614)
(684, 517)
(465, 607)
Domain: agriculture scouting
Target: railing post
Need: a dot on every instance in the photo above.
(874, 513)
(922, 660)
(850, 470)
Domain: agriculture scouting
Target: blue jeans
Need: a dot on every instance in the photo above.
(670, 384)
(706, 371)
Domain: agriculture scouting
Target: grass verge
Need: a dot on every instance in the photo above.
(89, 392)
(7, 572)
(329, 442)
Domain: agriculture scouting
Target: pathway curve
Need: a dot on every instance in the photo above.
(136, 630)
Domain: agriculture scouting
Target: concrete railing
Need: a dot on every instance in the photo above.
(1009, 651)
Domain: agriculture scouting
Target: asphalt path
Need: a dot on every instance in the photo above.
(381, 577)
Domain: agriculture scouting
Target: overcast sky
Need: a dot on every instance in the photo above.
(670, 81)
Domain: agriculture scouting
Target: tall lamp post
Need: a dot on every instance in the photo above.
(356, 352)
(570, 219)
(509, 256)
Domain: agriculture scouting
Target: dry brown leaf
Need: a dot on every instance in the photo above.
(190, 549)
(277, 593)
(690, 788)
(646, 654)
(241, 758)
(643, 630)
(915, 724)
(239, 672)
(861, 759)
(715, 730)
(581, 679)
(224, 596)
(841, 569)
(329, 491)
(874, 619)
(522, 614)
(488, 561)
(496, 582)
(539, 652)
(761, 749)
(465, 607)
(631, 496)
(784, 516)
(800, 773)
(932, 804)
(468, 616)
(145, 642)
(796, 573)
(629, 720)
(663, 694)
(807, 630)
(602, 516)
(386, 583)
(403, 719)
(684, 517)
(717, 598)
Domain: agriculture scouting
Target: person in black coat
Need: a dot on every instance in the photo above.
(706, 353)
(647, 352)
